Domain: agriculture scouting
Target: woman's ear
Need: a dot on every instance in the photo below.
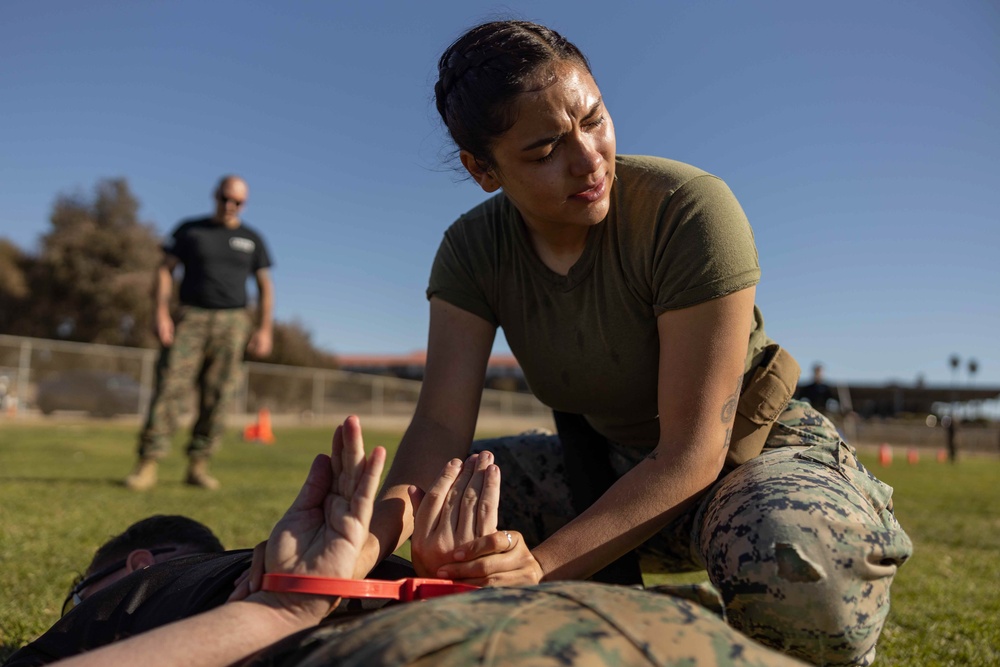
(139, 559)
(485, 177)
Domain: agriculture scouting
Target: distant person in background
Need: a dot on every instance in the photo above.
(205, 345)
(818, 392)
(951, 429)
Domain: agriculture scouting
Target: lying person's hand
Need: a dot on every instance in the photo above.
(249, 581)
(461, 506)
(322, 533)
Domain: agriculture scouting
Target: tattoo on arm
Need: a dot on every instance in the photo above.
(727, 415)
(729, 410)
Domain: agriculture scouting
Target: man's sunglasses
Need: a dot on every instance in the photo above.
(81, 582)
(223, 199)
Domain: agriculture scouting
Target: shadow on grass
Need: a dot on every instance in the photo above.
(92, 481)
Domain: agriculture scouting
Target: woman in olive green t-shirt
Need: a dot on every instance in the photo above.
(625, 287)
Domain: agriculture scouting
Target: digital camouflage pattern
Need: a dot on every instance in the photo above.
(207, 354)
(800, 542)
(549, 625)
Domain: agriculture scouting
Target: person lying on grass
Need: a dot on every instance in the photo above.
(320, 535)
(155, 539)
(179, 570)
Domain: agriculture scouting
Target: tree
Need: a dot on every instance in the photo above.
(973, 369)
(293, 346)
(13, 281)
(14, 291)
(92, 279)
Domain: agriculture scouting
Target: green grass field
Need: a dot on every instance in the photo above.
(61, 497)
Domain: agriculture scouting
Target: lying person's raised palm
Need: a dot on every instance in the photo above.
(322, 533)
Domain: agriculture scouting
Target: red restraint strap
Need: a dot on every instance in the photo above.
(411, 588)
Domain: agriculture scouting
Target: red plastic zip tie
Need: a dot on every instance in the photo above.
(410, 588)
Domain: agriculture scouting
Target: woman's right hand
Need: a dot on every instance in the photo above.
(500, 559)
(460, 507)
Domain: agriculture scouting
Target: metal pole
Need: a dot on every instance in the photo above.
(319, 389)
(378, 394)
(146, 381)
(23, 376)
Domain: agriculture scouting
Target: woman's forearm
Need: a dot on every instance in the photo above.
(391, 526)
(458, 350)
(425, 448)
(702, 354)
(639, 504)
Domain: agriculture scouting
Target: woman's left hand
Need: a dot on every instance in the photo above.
(499, 559)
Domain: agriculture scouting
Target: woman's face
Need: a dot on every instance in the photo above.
(557, 162)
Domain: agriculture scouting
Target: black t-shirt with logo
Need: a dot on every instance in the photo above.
(217, 262)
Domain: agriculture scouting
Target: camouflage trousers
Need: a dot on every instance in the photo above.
(800, 542)
(549, 625)
(208, 353)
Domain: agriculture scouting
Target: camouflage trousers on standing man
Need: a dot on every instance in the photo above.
(207, 353)
(800, 542)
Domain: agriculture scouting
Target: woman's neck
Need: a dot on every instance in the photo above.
(559, 248)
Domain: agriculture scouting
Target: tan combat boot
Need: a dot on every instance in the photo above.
(197, 475)
(143, 477)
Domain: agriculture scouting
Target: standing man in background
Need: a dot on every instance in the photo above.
(205, 345)
(818, 392)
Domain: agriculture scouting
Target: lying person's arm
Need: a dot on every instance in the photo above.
(321, 534)
(218, 637)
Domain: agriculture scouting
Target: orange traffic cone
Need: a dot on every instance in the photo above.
(265, 434)
(884, 454)
(260, 431)
(912, 457)
(942, 456)
(250, 432)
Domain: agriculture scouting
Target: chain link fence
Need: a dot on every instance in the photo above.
(50, 377)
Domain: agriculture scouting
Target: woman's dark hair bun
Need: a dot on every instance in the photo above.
(482, 72)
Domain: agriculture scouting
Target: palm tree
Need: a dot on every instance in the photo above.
(954, 362)
(973, 366)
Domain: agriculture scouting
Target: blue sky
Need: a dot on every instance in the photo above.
(862, 138)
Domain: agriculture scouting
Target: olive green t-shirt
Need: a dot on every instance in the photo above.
(588, 344)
